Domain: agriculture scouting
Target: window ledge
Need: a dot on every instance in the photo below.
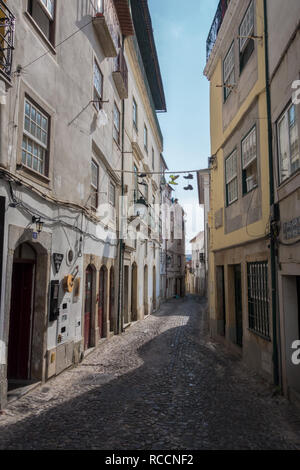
(33, 175)
(40, 32)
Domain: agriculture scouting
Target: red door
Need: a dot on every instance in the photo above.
(101, 302)
(88, 307)
(20, 322)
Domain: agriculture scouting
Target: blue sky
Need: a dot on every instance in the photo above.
(180, 31)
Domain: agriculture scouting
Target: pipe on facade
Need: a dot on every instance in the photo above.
(120, 326)
(271, 177)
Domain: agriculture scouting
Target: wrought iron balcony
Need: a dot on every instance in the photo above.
(7, 32)
(216, 25)
(120, 75)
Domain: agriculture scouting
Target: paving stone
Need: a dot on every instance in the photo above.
(163, 384)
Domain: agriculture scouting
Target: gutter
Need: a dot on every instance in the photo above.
(272, 215)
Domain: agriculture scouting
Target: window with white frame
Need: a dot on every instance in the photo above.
(246, 30)
(288, 143)
(249, 161)
(94, 184)
(134, 114)
(231, 178)
(145, 138)
(112, 194)
(228, 71)
(35, 138)
(43, 13)
(116, 130)
(98, 86)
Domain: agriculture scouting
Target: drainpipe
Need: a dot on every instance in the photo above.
(121, 209)
(273, 217)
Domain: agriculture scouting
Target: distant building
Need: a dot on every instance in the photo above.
(198, 270)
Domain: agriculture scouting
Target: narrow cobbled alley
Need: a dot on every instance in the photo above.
(163, 384)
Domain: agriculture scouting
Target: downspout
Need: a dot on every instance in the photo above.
(121, 210)
(272, 217)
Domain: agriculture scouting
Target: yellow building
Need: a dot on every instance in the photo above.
(239, 251)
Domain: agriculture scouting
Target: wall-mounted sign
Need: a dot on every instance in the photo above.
(57, 260)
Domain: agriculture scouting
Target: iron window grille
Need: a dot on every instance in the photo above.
(258, 298)
(7, 32)
(216, 25)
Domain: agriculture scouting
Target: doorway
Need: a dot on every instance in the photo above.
(221, 301)
(134, 292)
(146, 290)
(154, 289)
(111, 299)
(21, 314)
(238, 304)
(101, 301)
(88, 307)
(126, 297)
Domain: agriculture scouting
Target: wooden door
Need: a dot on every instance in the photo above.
(101, 302)
(238, 304)
(20, 322)
(88, 307)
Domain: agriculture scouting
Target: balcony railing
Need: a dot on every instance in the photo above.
(216, 25)
(7, 32)
(120, 75)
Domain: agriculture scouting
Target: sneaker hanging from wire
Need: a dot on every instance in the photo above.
(188, 188)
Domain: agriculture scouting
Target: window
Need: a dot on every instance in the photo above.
(146, 192)
(135, 183)
(231, 178)
(249, 161)
(134, 114)
(116, 132)
(228, 72)
(112, 194)
(246, 29)
(43, 13)
(146, 138)
(179, 261)
(258, 301)
(98, 86)
(35, 138)
(288, 143)
(94, 184)
(153, 156)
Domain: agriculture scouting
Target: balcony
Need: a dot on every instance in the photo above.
(120, 75)
(103, 22)
(215, 27)
(7, 30)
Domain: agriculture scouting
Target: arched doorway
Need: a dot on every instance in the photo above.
(146, 290)
(134, 292)
(111, 299)
(88, 307)
(102, 301)
(154, 288)
(21, 313)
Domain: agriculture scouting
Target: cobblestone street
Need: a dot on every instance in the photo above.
(161, 385)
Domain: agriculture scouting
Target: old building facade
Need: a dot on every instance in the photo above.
(240, 287)
(78, 108)
(284, 74)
